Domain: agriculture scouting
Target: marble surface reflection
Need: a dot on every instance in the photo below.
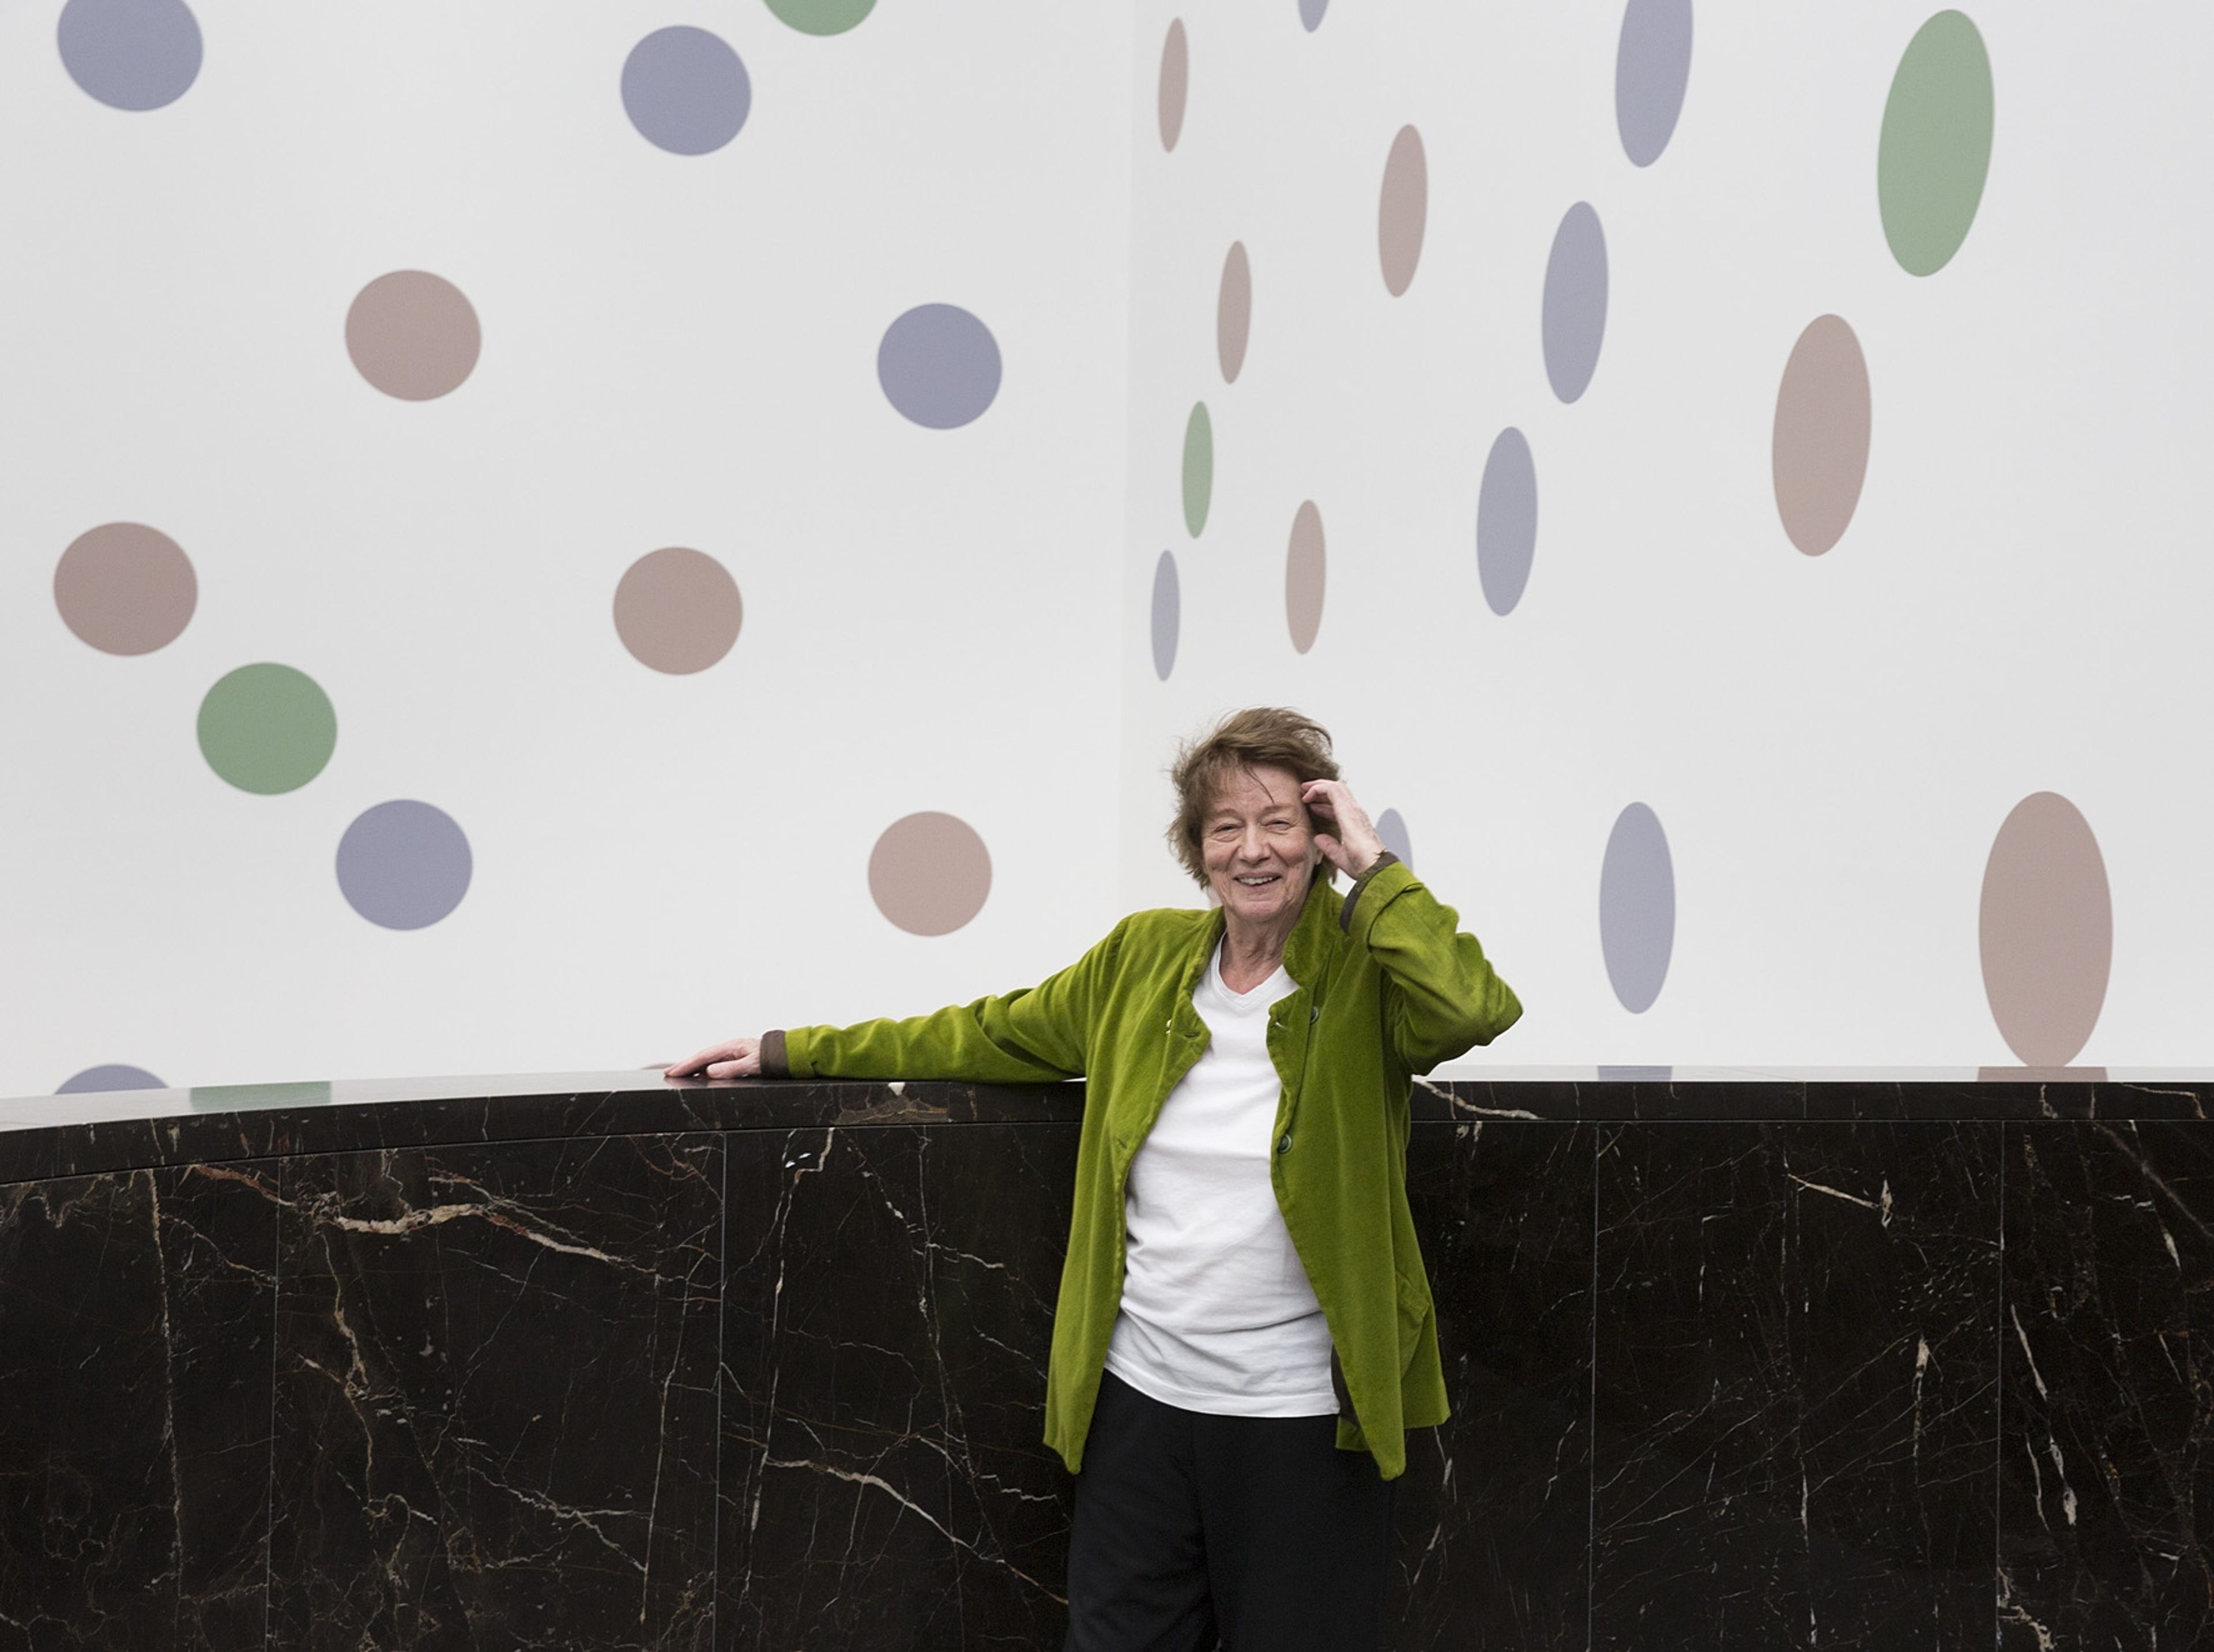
(2106, 1457)
(495, 1396)
(594, 1360)
(137, 1317)
(1795, 1345)
(884, 1478)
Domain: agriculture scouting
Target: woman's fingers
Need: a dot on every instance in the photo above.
(1355, 846)
(729, 1055)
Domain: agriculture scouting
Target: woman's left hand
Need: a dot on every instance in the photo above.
(1352, 845)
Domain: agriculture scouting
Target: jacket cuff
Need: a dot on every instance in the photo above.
(1345, 912)
(775, 1059)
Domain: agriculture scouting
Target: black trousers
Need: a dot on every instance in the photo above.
(1256, 1529)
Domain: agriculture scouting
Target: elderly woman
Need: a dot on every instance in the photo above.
(1244, 1332)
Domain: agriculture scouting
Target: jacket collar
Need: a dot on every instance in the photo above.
(1307, 952)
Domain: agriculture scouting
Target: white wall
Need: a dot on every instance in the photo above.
(680, 350)
(1830, 742)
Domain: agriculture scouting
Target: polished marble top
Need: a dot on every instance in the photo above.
(76, 1135)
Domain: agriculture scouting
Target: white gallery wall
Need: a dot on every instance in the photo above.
(1830, 744)
(529, 548)
(677, 351)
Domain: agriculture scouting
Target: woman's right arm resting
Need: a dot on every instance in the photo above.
(1037, 1035)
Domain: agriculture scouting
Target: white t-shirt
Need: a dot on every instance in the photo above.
(1217, 1313)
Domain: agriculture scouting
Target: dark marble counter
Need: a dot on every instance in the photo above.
(80, 1134)
(1737, 1358)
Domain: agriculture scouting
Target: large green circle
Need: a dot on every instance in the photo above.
(822, 16)
(267, 729)
(1935, 149)
(1198, 467)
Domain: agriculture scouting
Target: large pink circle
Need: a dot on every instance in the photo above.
(678, 610)
(125, 588)
(930, 873)
(413, 335)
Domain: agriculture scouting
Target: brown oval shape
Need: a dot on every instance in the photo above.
(1176, 83)
(1233, 311)
(1821, 445)
(413, 335)
(930, 873)
(1402, 210)
(1304, 577)
(678, 610)
(2047, 930)
(125, 588)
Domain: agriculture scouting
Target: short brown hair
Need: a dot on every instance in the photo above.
(1260, 736)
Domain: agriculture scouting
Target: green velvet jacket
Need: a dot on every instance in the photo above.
(1387, 987)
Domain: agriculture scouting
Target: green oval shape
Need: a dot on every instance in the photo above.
(1935, 149)
(822, 16)
(1198, 467)
(258, 1098)
(267, 729)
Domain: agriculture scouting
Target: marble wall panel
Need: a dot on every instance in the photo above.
(886, 1343)
(136, 1317)
(1495, 1510)
(495, 1396)
(1795, 1409)
(2106, 1461)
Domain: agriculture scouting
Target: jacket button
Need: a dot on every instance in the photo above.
(1284, 1146)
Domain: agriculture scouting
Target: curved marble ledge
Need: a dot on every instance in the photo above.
(83, 1135)
(44, 1136)
(1736, 1357)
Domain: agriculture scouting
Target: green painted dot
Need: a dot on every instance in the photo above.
(1198, 467)
(822, 16)
(1935, 149)
(267, 729)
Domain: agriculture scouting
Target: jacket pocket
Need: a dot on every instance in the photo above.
(1415, 1310)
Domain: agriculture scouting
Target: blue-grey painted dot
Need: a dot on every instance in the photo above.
(685, 90)
(1576, 302)
(1167, 612)
(404, 865)
(94, 1079)
(939, 365)
(1652, 64)
(1393, 831)
(1311, 13)
(130, 54)
(1636, 908)
(1507, 521)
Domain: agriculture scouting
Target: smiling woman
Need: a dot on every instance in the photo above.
(1244, 1332)
(1254, 800)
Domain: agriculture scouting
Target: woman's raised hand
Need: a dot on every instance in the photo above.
(1352, 845)
(734, 1058)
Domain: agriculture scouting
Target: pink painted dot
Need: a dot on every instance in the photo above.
(929, 873)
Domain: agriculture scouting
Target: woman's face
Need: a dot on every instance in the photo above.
(1258, 846)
